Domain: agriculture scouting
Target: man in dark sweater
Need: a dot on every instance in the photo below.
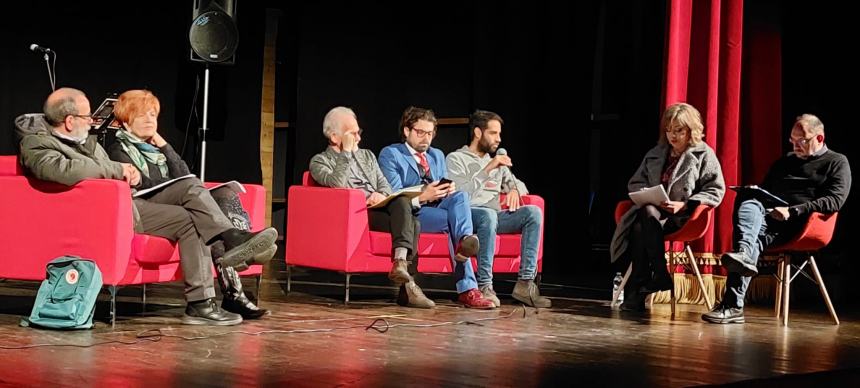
(811, 178)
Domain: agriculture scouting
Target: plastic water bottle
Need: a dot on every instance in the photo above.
(616, 282)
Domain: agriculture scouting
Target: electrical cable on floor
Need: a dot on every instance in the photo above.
(380, 325)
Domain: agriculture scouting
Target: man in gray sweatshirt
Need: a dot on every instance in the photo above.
(484, 178)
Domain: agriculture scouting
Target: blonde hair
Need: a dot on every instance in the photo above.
(684, 116)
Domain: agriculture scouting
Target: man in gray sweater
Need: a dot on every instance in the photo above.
(484, 178)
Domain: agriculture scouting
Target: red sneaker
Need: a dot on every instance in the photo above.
(473, 299)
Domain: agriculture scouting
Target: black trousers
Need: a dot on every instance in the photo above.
(399, 219)
(647, 250)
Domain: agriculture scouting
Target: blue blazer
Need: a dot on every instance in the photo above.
(401, 169)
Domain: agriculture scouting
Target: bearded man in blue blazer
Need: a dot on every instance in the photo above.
(440, 207)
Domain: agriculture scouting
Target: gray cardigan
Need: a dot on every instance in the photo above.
(697, 177)
(331, 168)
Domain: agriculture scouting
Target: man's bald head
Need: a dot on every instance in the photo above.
(62, 103)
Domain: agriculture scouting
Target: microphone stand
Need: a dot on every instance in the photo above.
(52, 73)
(205, 126)
(101, 131)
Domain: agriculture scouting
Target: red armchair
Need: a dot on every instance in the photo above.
(327, 228)
(693, 230)
(92, 219)
(815, 235)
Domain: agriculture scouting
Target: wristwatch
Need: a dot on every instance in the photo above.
(793, 211)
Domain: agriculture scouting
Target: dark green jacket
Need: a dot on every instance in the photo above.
(51, 158)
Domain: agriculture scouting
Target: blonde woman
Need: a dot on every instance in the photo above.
(691, 174)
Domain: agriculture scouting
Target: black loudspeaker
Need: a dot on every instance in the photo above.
(213, 35)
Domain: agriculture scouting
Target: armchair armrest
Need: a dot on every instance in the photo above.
(529, 199)
(325, 226)
(44, 220)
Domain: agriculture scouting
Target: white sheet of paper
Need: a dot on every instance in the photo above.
(652, 195)
(160, 185)
(233, 185)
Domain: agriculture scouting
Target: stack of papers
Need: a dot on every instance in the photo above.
(653, 195)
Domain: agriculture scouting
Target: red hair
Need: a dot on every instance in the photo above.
(135, 103)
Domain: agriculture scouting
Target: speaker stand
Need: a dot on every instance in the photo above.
(205, 126)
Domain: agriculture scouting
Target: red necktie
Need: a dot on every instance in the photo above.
(422, 160)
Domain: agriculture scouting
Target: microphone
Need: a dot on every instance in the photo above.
(39, 49)
(502, 151)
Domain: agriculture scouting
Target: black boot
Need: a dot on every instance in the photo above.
(660, 279)
(634, 301)
(235, 300)
(246, 248)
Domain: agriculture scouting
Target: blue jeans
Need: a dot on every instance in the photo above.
(452, 216)
(488, 222)
(750, 235)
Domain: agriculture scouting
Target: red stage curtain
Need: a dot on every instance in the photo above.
(729, 67)
(705, 60)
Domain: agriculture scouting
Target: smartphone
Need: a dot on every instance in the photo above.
(444, 181)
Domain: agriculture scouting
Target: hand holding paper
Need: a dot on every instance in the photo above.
(655, 195)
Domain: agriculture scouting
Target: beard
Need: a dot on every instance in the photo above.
(487, 147)
(421, 147)
(80, 134)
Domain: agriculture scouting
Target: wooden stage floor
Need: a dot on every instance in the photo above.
(311, 340)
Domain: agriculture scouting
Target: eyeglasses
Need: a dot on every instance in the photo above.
(800, 142)
(85, 117)
(358, 132)
(423, 133)
(677, 132)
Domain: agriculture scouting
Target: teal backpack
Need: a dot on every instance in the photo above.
(67, 297)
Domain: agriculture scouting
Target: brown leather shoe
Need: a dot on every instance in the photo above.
(410, 295)
(466, 248)
(473, 299)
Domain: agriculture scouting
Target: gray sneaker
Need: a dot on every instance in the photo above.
(739, 262)
(490, 294)
(526, 291)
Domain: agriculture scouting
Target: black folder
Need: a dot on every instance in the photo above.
(765, 197)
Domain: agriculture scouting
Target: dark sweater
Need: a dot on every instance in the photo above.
(176, 167)
(816, 184)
